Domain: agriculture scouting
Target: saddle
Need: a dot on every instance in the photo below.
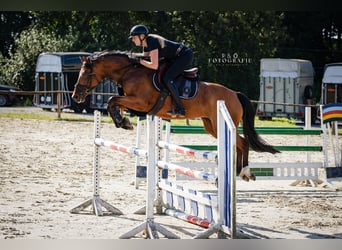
(191, 73)
(187, 82)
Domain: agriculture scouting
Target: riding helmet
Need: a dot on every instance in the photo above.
(137, 30)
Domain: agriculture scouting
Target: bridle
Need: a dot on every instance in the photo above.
(87, 88)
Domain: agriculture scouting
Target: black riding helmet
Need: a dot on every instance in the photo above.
(137, 30)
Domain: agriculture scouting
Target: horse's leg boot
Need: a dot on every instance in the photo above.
(115, 115)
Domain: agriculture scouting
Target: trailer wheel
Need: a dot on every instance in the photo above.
(313, 115)
(3, 100)
(77, 107)
(89, 110)
(87, 107)
(308, 92)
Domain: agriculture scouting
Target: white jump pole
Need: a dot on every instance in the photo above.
(96, 202)
(225, 224)
(227, 172)
(308, 126)
(150, 228)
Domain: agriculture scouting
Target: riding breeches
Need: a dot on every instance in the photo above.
(182, 62)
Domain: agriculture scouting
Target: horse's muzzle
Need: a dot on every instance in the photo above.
(77, 98)
(80, 93)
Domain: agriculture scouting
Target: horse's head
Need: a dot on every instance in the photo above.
(95, 68)
(87, 80)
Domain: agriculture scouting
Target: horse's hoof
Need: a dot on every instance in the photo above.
(245, 178)
(252, 177)
(117, 125)
(126, 124)
(128, 127)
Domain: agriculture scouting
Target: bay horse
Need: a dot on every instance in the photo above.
(140, 95)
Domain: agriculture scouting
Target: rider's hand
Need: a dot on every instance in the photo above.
(135, 60)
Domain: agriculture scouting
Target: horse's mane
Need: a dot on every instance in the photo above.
(99, 55)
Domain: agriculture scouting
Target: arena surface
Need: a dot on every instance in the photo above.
(46, 170)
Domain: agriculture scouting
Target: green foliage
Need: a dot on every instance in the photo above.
(12, 23)
(314, 36)
(27, 102)
(227, 45)
(19, 69)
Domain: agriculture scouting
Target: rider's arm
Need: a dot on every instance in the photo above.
(154, 59)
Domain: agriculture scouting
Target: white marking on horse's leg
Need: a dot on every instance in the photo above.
(245, 173)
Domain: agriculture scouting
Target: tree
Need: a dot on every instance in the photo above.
(314, 36)
(19, 69)
(228, 45)
(11, 24)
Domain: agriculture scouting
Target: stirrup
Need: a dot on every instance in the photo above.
(176, 113)
(180, 112)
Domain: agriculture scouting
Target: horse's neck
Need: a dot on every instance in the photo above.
(141, 71)
(138, 77)
(120, 73)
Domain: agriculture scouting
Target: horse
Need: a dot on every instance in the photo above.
(140, 95)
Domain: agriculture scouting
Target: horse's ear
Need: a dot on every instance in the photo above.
(85, 60)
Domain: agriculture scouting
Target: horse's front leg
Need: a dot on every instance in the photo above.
(115, 114)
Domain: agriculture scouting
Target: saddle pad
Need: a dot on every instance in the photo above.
(187, 88)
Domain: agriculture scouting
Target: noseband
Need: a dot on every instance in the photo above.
(86, 88)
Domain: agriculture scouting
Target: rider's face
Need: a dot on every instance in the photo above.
(139, 40)
(136, 40)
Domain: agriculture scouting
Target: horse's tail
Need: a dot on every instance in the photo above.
(256, 143)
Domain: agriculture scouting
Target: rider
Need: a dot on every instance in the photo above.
(158, 48)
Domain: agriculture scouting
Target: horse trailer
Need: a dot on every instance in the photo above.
(286, 86)
(58, 71)
(332, 83)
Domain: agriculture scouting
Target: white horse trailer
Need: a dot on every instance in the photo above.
(285, 81)
(332, 83)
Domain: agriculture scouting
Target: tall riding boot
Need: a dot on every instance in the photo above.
(179, 111)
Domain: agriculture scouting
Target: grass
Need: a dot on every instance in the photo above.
(45, 117)
(276, 122)
(25, 116)
(49, 116)
(72, 117)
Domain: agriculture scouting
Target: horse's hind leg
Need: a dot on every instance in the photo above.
(242, 148)
(115, 114)
(239, 163)
(242, 159)
(251, 175)
(209, 127)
